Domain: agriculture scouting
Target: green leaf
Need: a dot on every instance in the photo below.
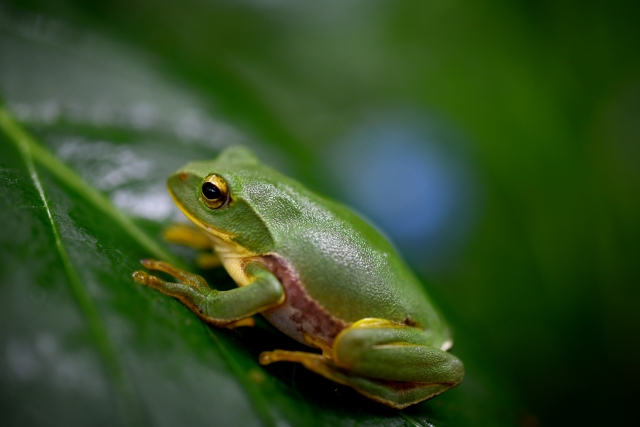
(83, 159)
(143, 357)
(129, 355)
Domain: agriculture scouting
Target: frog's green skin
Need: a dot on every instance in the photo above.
(320, 274)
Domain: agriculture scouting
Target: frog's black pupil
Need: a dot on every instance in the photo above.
(210, 191)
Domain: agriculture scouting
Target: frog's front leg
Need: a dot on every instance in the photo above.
(220, 308)
(393, 364)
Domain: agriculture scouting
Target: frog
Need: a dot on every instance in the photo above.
(315, 270)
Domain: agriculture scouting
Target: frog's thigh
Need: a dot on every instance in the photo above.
(383, 350)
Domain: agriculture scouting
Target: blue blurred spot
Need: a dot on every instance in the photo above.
(411, 179)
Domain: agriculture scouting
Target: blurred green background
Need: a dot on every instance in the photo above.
(496, 142)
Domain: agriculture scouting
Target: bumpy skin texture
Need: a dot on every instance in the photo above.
(326, 270)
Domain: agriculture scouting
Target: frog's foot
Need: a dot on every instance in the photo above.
(312, 361)
(208, 260)
(193, 237)
(190, 279)
(242, 323)
(193, 290)
(187, 235)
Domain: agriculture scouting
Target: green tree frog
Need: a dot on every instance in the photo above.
(316, 271)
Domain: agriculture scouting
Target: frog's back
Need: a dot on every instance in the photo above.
(346, 267)
(354, 272)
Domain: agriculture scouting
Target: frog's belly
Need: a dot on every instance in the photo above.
(296, 322)
(299, 314)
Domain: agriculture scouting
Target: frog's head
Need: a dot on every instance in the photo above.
(219, 196)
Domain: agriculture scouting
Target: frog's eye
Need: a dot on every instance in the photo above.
(215, 192)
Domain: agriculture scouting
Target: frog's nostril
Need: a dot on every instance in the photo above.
(183, 176)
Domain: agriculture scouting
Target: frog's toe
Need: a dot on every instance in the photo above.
(184, 276)
(312, 361)
(145, 278)
(247, 322)
(148, 263)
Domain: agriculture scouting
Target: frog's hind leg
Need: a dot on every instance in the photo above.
(385, 350)
(395, 394)
(390, 363)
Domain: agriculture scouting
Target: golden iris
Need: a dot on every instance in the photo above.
(215, 192)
